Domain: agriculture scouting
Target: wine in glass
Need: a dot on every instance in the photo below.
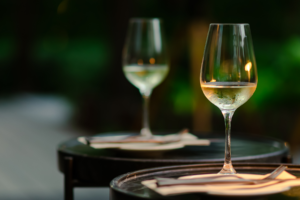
(228, 76)
(145, 62)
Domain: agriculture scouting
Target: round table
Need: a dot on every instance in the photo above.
(128, 186)
(84, 166)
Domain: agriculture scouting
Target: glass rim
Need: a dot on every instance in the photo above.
(224, 24)
(137, 19)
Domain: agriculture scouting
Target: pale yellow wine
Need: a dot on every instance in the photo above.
(145, 77)
(228, 95)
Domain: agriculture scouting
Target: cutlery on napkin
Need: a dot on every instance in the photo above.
(138, 139)
(157, 142)
(226, 185)
(207, 180)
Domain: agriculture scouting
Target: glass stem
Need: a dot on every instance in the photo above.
(145, 132)
(227, 167)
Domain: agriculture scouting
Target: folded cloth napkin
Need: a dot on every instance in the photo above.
(282, 183)
(157, 142)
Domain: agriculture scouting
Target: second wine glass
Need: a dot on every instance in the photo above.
(145, 62)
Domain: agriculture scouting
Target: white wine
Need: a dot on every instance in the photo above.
(145, 77)
(228, 95)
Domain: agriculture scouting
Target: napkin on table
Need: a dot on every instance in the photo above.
(270, 187)
(177, 140)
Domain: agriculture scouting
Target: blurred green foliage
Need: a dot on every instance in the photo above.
(74, 48)
(182, 97)
(80, 62)
(279, 68)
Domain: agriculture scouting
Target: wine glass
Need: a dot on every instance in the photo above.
(228, 76)
(145, 63)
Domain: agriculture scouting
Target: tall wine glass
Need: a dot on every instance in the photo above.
(145, 62)
(228, 74)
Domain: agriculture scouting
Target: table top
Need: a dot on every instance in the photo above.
(242, 147)
(128, 186)
(102, 165)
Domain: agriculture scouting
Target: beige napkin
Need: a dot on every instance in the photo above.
(270, 187)
(182, 140)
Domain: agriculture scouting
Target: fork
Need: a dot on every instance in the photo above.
(198, 181)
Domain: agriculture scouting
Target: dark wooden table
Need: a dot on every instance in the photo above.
(128, 186)
(84, 166)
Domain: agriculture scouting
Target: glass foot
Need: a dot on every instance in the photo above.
(227, 169)
(145, 132)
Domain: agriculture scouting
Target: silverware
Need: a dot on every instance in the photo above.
(198, 181)
(276, 172)
(136, 139)
(130, 140)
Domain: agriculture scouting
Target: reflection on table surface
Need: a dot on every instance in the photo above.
(244, 148)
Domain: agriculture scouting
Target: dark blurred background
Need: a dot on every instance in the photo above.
(68, 55)
(73, 49)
